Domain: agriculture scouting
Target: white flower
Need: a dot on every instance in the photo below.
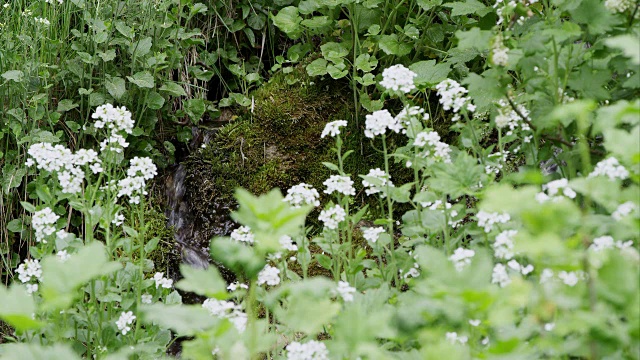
(114, 118)
(28, 269)
(345, 291)
(398, 78)
(549, 326)
(235, 285)
(142, 167)
(269, 275)
(487, 220)
(162, 281)
(554, 190)
(302, 194)
(126, 319)
(610, 168)
(508, 117)
(333, 128)
(227, 310)
(474, 322)
(287, 243)
(452, 97)
(499, 52)
(42, 21)
(569, 278)
(619, 5)
(63, 255)
(461, 258)
(43, 222)
(372, 234)
(312, 350)
(547, 274)
(378, 123)
(382, 177)
(434, 147)
(332, 216)
(526, 269)
(503, 246)
(454, 338)
(243, 234)
(413, 272)
(340, 184)
(146, 298)
(31, 288)
(118, 219)
(602, 243)
(500, 276)
(624, 210)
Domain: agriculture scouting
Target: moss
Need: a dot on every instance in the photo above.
(166, 257)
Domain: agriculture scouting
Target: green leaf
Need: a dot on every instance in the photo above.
(429, 73)
(66, 105)
(459, 178)
(61, 279)
(392, 46)
(14, 75)
(26, 351)
(237, 257)
(317, 22)
(428, 4)
(155, 101)
(16, 226)
(12, 177)
(366, 62)
(289, 21)
(124, 29)
(142, 79)
(337, 72)
(334, 52)
(140, 48)
(28, 206)
(194, 108)
(184, 320)
(115, 86)
(628, 44)
(317, 67)
(18, 308)
(207, 282)
(107, 55)
(474, 39)
(173, 89)
(468, 7)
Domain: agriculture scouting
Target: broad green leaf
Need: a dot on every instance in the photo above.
(184, 320)
(66, 105)
(429, 73)
(12, 177)
(107, 55)
(154, 100)
(391, 45)
(366, 62)
(26, 351)
(124, 29)
(459, 178)
(334, 52)
(237, 257)
(288, 21)
(317, 67)
(474, 39)
(142, 79)
(207, 282)
(194, 108)
(61, 279)
(115, 86)
(628, 44)
(14, 75)
(468, 7)
(173, 89)
(428, 4)
(140, 48)
(18, 307)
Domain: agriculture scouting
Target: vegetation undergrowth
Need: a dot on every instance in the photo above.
(496, 147)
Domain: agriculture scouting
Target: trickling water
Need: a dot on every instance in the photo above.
(192, 235)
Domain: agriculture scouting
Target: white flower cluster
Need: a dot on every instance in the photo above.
(382, 177)
(413, 272)
(524, 270)
(302, 194)
(499, 158)
(333, 128)
(453, 338)
(405, 116)
(452, 97)
(340, 184)
(68, 166)
(553, 190)
(287, 243)
(619, 5)
(372, 234)
(610, 168)
(332, 216)
(345, 291)
(436, 148)
(500, 276)
(499, 52)
(43, 21)
(312, 350)
(227, 310)
(508, 117)
(146, 298)
(124, 322)
(570, 278)
(140, 170)
(443, 207)
(243, 234)
(398, 78)
(53, 2)
(63, 255)
(29, 270)
(162, 281)
(623, 210)
(269, 275)
(487, 220)
(237, 285)
(462, 257)
(607, 242)
(43, 222)
(116, 120)
(378, 123)
(503, 246)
